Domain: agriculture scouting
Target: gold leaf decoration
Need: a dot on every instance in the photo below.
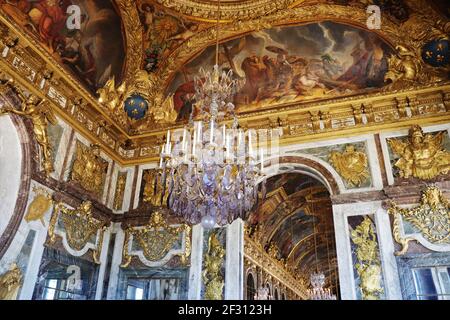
(431, 218)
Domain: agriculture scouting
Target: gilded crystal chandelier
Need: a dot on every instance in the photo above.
(262, 294)
(318, 292)
(211, 172)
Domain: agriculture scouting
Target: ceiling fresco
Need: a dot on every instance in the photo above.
(94, 53)
(297, 219)
(293, 63)
(128, 70)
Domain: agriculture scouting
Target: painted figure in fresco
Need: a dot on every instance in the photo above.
(95, 52)
(287, 64)
(46, 17)
(183, 100)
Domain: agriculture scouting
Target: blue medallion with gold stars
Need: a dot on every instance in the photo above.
(436, 53)
(136, 107)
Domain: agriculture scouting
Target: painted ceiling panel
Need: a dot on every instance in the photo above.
(94, 53)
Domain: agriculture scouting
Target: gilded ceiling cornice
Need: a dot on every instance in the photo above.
(230, 10)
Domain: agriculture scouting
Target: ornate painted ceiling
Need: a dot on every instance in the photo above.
(295, 224)
(128, 68)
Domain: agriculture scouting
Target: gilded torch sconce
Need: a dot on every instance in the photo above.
(79, 226)
(156, 240)
(429, 223)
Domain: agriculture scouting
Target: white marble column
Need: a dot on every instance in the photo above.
(30, 278)
(234, 265)
(195, 271)
(116, 261)
(103, 263)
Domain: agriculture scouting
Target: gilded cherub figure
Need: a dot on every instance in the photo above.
(422, 156)
(40, 114)
(10, 283)
(351, 165)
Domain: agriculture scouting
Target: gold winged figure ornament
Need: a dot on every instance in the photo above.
(422, 155)
(110, 96)
(351, 165)
(164, 110)
(40, 114)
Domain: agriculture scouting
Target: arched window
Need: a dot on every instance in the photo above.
(251, 291)
(276, 294)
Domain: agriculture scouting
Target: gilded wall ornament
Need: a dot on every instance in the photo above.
(422, 155)
(156, 240)
(212, 274)
(153, 188)
(404, 67)
(351, 165)
(40, 114)
(89, 169)
(431, 218)
(80, 226)
(10, 283)
(368, 263)
(41, 203)
(120, 191)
